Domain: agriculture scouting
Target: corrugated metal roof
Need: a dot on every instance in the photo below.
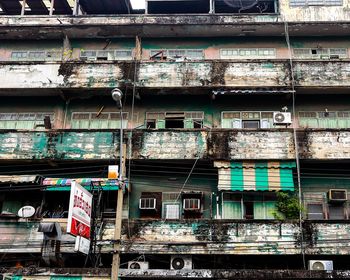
(18, 179)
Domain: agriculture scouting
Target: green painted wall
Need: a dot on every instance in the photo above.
(166, 183)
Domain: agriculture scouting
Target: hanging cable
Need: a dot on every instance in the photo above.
(296, 147)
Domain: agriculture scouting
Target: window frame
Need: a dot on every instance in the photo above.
(149, 199)
(47, 55)
(191, 200)
(112, 55)
(259, 53)
(241, 119)
(91, 118)
(161, 116)
(156, 54)
(327, 53)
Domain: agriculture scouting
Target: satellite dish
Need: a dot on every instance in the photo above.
(26, 212)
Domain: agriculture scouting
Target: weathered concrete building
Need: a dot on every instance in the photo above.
(236, 118)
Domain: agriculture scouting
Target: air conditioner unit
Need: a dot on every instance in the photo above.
(138, 265)
(337, 195)
(282, 118)
(147, 203)
(320, 265)
(179, 262)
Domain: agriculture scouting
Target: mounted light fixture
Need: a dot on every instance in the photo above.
(117, 96)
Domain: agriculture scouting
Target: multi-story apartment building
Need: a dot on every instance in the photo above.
(236, 118)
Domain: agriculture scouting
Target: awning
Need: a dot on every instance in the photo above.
(63, 184)
(255, 175)
(20, 179)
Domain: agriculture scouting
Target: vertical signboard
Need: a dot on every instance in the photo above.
(113, 171)
(79, 215)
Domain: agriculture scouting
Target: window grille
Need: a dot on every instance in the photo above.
(28, 120)
(176, 53)
(36, 55)
(300, 3)
(336, 212)
(320, 53)
(106, 54)
(170, 196)
(315, 212)
(248, 53)
(191, 204)
(147, 203)
(105, 120)
(245, 119)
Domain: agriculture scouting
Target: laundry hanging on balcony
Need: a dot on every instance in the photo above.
(255, 175)
(63, 184)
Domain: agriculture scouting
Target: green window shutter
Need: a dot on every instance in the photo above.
(308, 122)
(259, 210)
(74, 124)
(3, 124)
(264, 210)
(270, 209)
(98, 124)
(327, 123)
(114, 124)
(25, 124)
(232, 210)
(125, 124)
(84, 124)
(226, 123)
(344, 123)
(188, 123)
(160, 124)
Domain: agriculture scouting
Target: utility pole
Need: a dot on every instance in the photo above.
(117, 96)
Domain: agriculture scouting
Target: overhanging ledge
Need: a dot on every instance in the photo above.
(233, 274)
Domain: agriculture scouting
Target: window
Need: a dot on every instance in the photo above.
(336, 212)
(250, 124)
(171, 205)
(174, 119)
(249, 206)
(329, 119)
(252, 120)
(106, 54)
(171, 211)
(247, 53)
(320, 53)
(300, 3)
(177, 54)
(28, 120)
(42, 55)
(315, 212)
(191, 204)
(92, 120)
(147, 203)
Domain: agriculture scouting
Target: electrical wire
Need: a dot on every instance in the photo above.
(296, 146)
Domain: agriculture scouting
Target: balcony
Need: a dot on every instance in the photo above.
(225, 144)
(206, 75)
(235, 237)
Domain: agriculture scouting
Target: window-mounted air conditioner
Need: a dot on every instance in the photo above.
(320, 265)
(282, 118)
(337, 195)
(179, 262)
(192, 204)
(147, 203)
(138, 265)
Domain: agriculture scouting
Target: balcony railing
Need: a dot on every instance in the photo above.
(225, 144)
